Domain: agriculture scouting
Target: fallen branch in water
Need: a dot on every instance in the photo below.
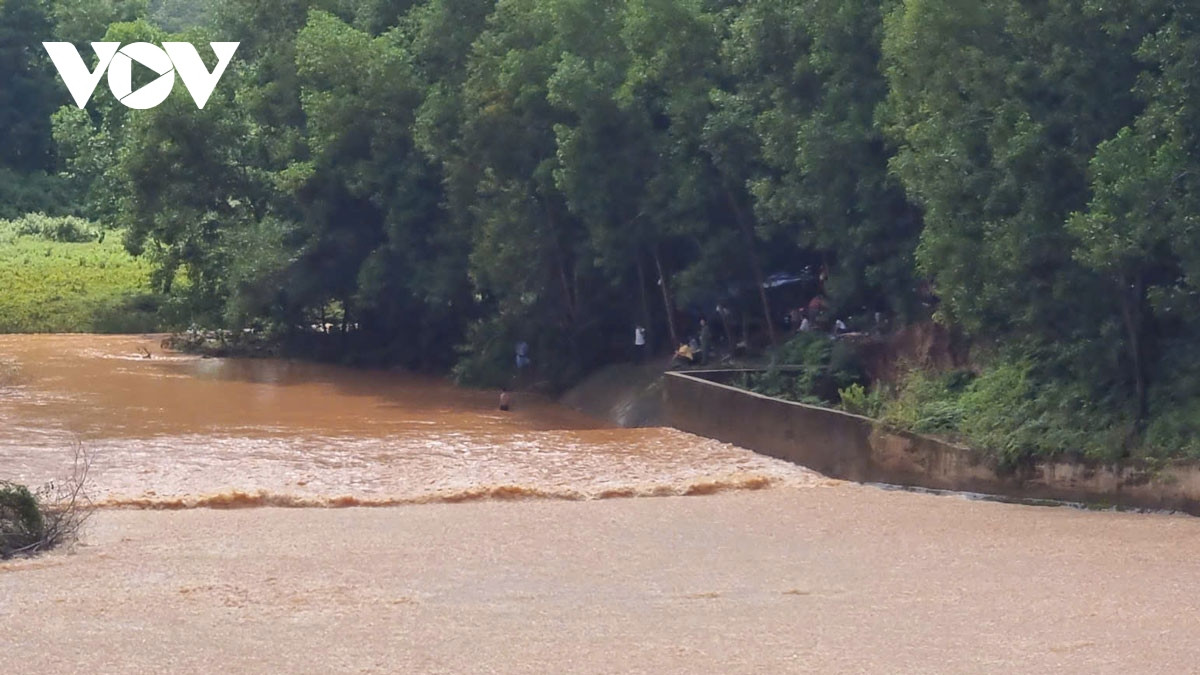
(31, 522)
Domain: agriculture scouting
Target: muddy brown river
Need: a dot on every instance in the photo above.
(175, 431)
(504, 549)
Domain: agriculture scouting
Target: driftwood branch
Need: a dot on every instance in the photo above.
(65, 508)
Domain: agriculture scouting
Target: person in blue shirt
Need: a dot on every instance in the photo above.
(522, 355)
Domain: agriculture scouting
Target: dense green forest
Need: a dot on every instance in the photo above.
(441, 179)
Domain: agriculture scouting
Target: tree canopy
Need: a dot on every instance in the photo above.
(434, 181)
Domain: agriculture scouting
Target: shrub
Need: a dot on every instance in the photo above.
(809, 368)
(859, 400)
(997, 406)
(135, 314)
(1174, 430)
(1013, 413)
(926, 402)
(54, 515)
(21, 523)
(796, 386)
(64, 229)
(804, 349)
(22, 192)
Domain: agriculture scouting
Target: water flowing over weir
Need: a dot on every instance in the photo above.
(175, 431)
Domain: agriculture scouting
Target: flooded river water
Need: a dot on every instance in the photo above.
(799, 575)
(175, 431)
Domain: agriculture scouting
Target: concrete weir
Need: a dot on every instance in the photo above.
(851, 447)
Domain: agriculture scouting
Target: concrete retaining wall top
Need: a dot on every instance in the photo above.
(851, 447)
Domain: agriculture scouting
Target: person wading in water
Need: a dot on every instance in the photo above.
(505, 399)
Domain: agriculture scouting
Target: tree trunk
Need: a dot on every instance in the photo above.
(641, 270)
(568, 291)
(568, 294)
(749, 239)
(667, 303)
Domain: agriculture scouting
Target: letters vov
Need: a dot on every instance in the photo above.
(117, 61)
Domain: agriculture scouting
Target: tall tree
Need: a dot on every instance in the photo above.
(995, 148)
(805, 84)
(28, 94)
(1139, 230)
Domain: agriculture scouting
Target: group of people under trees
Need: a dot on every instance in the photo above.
(814, 317)
(700, 347)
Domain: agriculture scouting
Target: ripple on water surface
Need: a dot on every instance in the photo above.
(181, 432)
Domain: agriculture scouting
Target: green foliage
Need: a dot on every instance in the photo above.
(1014, 413)
(455, 176)
(37, 521)
(796, 122)
(84, 21)
(995, 148)
(809, 368)
(22, 193)
(55, 286)
(21, 521)
(805, 349)
(1008, 411)
(27, 89)
(791, 385)
(859, 400)
(925, 402)
(1174, 427)
(63, 229)
(1174, 431)
(180, 15)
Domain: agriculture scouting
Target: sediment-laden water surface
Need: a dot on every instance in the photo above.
(809, 575)
(173, 431)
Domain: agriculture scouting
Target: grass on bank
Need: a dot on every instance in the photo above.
(65, 275)
(1002, 405)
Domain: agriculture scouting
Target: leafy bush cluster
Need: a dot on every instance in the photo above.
(860, 400)
(65, 229)
(809, 368)
(22, 192)
(31, 522)
(1014, 411)
(1011, 408)
(926, 402)
(21, 523)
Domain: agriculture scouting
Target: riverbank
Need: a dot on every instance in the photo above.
(832, 578)
(73, 286)
(852, 447)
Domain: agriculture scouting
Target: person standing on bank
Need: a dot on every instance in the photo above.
(639, 344)
(705, 341)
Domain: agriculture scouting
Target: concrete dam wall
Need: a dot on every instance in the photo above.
(851, 447)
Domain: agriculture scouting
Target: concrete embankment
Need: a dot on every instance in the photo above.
(627, 395)
(850, 447)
